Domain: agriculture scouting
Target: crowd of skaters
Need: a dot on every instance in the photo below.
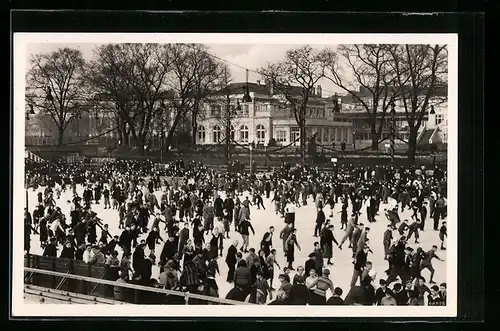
(198, 207)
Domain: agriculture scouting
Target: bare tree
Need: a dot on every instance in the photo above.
(55, 86)
(210, 77)
(371, 70)
(294, 78)
(230, 111)
(192, 76)
(421, 74)
(129, 80)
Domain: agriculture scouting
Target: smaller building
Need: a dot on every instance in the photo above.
(353, 110)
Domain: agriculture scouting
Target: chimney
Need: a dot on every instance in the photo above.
(319, 91)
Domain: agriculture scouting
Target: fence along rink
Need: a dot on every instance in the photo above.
(78, 277)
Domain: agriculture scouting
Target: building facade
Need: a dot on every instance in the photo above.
(268, 117)
(352, 110)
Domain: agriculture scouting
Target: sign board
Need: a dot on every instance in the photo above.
(334, 160)
(429, 172)
(387, 145)
(418, 172)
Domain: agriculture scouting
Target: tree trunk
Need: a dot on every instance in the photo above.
(412, 145)
(227, 143)
(303, 143)
(194, 124)
(60, 136)
(139, 143)
(374, 136)
(194, 130)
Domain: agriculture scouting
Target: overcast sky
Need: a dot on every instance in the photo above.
(252, 57)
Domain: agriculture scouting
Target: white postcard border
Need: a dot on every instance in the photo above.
(21, 309)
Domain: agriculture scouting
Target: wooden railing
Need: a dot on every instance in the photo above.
(187, 296)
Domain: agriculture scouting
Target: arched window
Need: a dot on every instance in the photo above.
(201, 134)
(261, 134)
(244, 134)
(216, 134)
(231, 133)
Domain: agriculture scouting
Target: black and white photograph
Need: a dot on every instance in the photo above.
(244, 170)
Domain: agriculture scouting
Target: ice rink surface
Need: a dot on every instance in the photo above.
(305, 219)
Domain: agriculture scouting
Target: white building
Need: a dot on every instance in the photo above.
(268, 116)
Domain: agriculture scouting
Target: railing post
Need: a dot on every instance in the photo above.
(186, 298)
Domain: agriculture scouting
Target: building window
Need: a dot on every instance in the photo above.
(246, 110)
(201, 134)
(216, 134)
(339, 132)
(332, 135)
(345, 134)
(281, 136)
(439, 118)
(244, 134)
(216, 110)
(261, 134)
(324, 135)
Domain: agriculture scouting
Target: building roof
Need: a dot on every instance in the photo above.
(439, 91)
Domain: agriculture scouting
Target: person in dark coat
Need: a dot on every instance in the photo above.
(327, 240)
(387, 240)
(152, 239)
(215, 243)
(267, 241)
(51, 249)
(291, 242)
(243, 277)
(44, 232)
(183, 237)
(218, 207)
(284, 234)
(68, 251)
(126, 240)
(229, 206)
(138, 256)
(169, 249)
(111, 246)
(310, 264)
(299, 294)
(336, 298)
(198, 236)
(320, 220)
(231, 260)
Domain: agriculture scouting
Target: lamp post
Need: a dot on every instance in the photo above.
(354, 140)
(251, 165)
(393, 129)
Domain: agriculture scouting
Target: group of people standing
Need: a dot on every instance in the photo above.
(199, 208)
